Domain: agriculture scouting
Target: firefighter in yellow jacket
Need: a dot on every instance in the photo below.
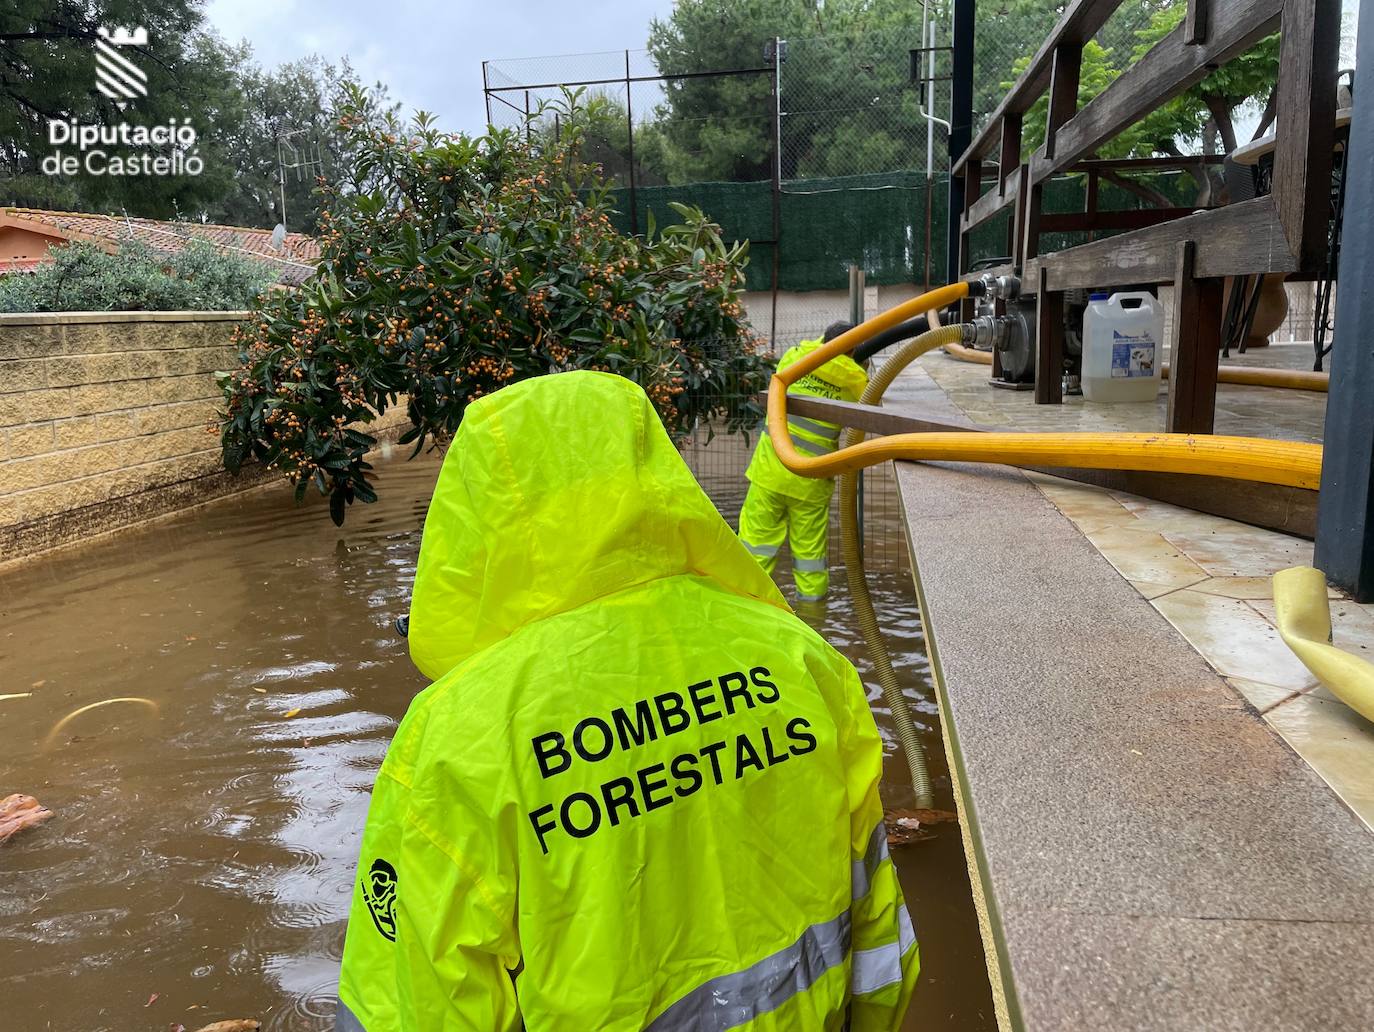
(783, 506)
(640, 794)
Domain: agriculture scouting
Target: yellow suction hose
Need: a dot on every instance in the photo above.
(1287, 463)
(1241, 458)
(859, 595)
(1304, 619)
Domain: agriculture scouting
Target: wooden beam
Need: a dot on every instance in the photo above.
(1033, 221)
(1195, 23)
(1016, 231)
(1292, 510)
(988, 205)
(1140, 164)
(1010, 159)
(1068, 64)
(1196, 347)
(1239, 239)
(973, 182)
(1049, 345)
(1131, 218)
(1078, 24)
(1305, 126)
(1169, 68)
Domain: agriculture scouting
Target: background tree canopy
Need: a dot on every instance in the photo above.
(850, 104)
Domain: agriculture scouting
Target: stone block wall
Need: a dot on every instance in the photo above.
(105, 420)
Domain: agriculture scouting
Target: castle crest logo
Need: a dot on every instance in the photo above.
(116, 76)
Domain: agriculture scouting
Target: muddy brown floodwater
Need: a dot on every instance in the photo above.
(200, 860)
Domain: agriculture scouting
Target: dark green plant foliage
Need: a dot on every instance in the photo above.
(83, 278)
(465, 265)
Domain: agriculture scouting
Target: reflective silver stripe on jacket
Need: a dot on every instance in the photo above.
(881, 966)
(346, 1021)
(730, 1000)
(809, 565)
(764, 550)
(862, 871)
(811, 426)
(811, 446)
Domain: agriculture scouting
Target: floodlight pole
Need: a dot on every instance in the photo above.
(960, 125)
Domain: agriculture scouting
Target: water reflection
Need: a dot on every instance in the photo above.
(204, 854)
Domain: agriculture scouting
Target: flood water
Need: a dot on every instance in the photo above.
(201, 857)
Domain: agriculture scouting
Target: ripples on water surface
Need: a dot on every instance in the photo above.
(205, 854)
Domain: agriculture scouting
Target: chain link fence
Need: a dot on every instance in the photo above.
(821, 159)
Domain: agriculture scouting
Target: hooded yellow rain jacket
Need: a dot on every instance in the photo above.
(840, 379)
(640, 793)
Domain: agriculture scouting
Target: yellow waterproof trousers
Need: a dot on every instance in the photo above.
(769, 518)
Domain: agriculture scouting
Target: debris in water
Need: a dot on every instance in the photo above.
(15, 695)
(151, 1000)
(292, 712)
(52, 735)
(233, 1025)
(18, 812)
(905, 827)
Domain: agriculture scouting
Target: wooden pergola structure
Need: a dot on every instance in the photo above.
(1285, 231)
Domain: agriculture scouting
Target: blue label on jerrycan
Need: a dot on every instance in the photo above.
(1133, 354)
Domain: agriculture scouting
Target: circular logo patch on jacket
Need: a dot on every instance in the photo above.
(379, 893)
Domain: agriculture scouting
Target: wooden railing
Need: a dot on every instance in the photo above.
(1282, 232)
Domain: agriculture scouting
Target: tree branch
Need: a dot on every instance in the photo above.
(1271, 110)
(1221, 118)
(1146, 193)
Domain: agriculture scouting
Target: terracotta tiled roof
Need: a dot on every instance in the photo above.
(295, 261)
(8, 265)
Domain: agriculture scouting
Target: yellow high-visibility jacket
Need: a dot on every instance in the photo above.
(640, 793)
(841, 379)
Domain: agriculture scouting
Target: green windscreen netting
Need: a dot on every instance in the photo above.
(877, 221)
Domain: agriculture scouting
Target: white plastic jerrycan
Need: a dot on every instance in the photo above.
(1123, 347)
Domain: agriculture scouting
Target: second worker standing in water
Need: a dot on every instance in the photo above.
(783, 506)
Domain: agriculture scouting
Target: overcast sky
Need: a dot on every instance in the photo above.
(428, 52)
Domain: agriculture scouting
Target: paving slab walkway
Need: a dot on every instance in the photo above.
(1149, 853)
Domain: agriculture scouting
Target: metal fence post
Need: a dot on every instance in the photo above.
(777, 187)
(856, 316)
(486, 91)
(630, 149)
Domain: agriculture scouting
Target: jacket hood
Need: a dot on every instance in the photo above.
(556, 491)
(841, 370)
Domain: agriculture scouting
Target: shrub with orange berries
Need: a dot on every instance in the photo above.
(453, 266)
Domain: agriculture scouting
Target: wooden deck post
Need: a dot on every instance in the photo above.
(1049, 344)
(1196, 347)
(1305, 126)
(973, 184)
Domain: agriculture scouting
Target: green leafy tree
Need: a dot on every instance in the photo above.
(466, 264)
(1202, 119)
(304, 98)
(846, 80)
